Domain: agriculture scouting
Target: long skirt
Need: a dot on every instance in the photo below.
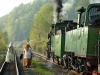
(9, 57)
(26, 62)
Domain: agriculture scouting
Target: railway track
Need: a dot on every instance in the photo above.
(24, 70)
(9, 68)
(14, 69)
(66, 71)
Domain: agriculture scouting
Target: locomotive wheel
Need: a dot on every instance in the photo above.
(84, 73)
(82, 68)
(68, 64)
(64, 61)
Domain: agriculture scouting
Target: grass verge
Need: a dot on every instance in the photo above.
(39, 67)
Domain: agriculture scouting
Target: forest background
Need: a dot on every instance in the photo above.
(31, 22)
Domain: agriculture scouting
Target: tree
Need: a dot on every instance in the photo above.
(40, 26)
(3, 40)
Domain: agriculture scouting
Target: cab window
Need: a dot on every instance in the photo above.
(93, 13)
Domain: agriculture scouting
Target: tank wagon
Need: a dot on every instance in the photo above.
(77, 45)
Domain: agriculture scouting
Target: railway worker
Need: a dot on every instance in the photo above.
(27, 55)
(10, 53)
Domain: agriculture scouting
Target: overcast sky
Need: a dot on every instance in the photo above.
(7, 5)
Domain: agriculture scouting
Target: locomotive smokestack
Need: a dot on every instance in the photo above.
(58, 9)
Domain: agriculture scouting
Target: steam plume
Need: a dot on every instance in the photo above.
(61, 9)
(58, 9)
(66, 7)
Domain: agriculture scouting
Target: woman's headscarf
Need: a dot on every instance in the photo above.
(10, 44)
(27, 47)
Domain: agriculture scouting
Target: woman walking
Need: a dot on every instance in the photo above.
(27, 55)
(10, 53)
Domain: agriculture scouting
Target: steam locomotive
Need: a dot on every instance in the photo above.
(76, 45)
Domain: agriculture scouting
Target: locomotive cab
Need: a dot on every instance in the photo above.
(84, 39)
(93, 22)
(90, 35)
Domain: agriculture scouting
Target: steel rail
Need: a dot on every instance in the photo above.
(15, 63)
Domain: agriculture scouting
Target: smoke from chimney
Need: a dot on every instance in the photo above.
(58, 9)
(61, 8)
(66, 8)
